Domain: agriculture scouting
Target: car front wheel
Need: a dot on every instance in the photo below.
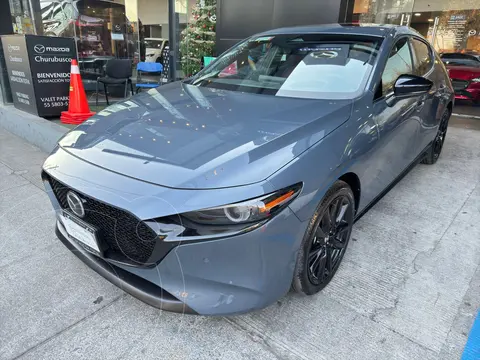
(325, 240)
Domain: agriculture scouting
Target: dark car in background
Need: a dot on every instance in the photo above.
(218, 194)
(464, 71)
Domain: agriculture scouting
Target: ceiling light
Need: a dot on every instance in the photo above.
(430, 20)
(418, 14)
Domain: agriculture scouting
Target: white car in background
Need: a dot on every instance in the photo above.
(154, 49)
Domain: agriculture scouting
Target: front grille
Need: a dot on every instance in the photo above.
(460, 84)
(126, 236)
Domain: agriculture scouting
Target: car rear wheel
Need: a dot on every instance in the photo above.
(435, 150)
(325, 240)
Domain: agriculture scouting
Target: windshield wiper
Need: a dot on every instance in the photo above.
(205, 77)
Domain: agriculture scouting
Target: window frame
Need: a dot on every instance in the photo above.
(380, 84)
(430, 53)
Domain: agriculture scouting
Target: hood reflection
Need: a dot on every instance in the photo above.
(186, 129)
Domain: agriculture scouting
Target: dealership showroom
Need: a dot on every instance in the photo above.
(155, 196)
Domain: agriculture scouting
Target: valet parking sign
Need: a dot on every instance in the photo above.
(39, 72)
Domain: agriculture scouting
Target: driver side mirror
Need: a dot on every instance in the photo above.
(408, 86)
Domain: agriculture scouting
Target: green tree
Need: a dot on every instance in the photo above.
(198, 38)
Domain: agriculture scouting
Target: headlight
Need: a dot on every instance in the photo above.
(476, 80)
(250, 211)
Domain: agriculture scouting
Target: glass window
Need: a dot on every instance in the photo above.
(398, 12)
(423, 57)
(398, 63)
(303, 66)
(58, 18)
(457, 59)
(154, 43)
(462, 62)
(452, 56)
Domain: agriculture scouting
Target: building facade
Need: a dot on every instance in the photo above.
(450, 25)
(105, 29)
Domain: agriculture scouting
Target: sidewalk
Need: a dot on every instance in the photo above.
(409, 287)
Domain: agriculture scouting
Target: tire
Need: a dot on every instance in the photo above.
(435, 149)
(319, 248)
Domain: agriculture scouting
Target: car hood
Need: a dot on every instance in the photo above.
(463, 72)
(189, 137)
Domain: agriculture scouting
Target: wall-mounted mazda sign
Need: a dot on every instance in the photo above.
(39, 49)
(75, 204)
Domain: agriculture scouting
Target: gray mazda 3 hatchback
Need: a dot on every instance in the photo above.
(217, 194)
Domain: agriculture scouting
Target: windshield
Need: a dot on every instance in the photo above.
(155, 44)
(303, 66)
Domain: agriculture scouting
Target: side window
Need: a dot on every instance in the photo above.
(399, 62)
(423, 58)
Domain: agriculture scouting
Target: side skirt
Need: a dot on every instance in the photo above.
(417, 160)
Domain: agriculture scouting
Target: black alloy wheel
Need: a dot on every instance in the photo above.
(437, 146)
(326, 240)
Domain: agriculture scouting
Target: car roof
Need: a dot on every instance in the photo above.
(380, 30)
(160, 39)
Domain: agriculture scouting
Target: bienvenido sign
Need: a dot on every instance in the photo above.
(39, 72)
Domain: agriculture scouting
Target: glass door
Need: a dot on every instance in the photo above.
(453, 28)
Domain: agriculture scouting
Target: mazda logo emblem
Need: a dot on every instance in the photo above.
(39, 49)
(325, 54)
(75, 204)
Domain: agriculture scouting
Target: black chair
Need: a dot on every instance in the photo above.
(118, 72)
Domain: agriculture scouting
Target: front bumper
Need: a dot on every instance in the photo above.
(218, 277)
(225, 276)
(128, 282)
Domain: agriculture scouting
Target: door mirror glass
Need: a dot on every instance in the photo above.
(411, 85)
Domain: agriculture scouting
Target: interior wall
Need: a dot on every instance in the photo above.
(156, 31)
(155, 12)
